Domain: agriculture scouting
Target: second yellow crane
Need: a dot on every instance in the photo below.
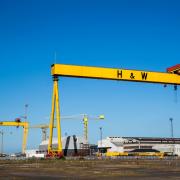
(18, 123)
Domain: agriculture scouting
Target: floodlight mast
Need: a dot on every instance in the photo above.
(171, 121)
(172, 76)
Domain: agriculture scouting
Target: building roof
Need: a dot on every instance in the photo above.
(127, 140)
(153, 138)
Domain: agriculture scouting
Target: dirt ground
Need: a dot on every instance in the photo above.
(90, 169)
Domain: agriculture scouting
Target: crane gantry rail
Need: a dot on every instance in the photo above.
(172, 76)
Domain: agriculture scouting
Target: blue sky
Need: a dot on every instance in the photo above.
(127, 34)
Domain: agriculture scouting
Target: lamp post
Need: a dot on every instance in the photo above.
(171, 121)
(101, 135)
(26, 108)
(172, 133)
(139, 143)
(25, 112)
(100, 128)
(2, 134)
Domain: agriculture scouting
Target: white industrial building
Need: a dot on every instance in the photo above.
(69, 142)
(71, 145)
(127, 144)
(33, 153)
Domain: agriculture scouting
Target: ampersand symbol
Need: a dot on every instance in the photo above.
(132, 76)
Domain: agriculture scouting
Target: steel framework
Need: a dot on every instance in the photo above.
(171, 77)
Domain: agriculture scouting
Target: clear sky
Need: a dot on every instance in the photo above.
(129, 34)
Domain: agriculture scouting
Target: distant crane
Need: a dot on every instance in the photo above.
(18, 123)
(85, 119)
(44, 128)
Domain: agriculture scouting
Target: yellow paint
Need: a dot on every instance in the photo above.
(114, 153)
(25, 125)
(99, 73)
(85, 121)
(159, 154)
(110, 154)
(55, 103)
(114, 74)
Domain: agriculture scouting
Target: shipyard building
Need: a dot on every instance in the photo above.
(128, 144)
(72, 146)
(76, 146)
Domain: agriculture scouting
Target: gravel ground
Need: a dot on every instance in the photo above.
(90, 169)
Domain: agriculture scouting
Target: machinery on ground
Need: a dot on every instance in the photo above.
(171, 77)
(142, 152)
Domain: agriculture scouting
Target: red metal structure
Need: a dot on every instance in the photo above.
(174, 69)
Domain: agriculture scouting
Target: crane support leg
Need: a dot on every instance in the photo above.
(44, 134)
(85, 119)
(55, 104)
(25, 126)
(25, 133)
(51, 120)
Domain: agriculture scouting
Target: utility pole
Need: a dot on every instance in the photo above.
(25, 115)
(171, 121)
(2, 134)
(101, 135)
(172, 134)
(100, 128)
(25, 112)
(139, 142)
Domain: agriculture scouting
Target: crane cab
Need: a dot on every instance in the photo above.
(174, 69)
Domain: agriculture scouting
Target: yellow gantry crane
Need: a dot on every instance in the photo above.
(172, 76)
(18, 123)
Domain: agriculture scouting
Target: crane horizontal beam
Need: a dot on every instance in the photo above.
(114, 74)
(25, 126)
(11, 123)
(40, 126)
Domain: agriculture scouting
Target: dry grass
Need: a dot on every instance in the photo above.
(90, 169)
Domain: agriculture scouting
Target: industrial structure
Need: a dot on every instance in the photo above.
(171, 77)
(85, 121)
(71, 146)
(18, 123)
(115, 145)
(85, 118)
(43, 128)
